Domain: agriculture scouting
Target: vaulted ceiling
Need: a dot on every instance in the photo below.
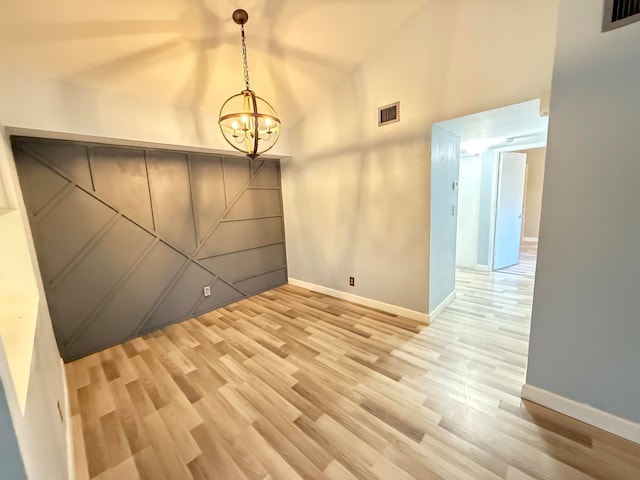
(187, 52)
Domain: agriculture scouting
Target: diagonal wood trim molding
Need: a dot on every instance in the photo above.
(149, 229)
(367, 302)
(583, 412)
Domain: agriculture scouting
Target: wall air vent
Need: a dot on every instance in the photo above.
(618, 13)
(389, 114)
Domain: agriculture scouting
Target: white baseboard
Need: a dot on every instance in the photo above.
(71, 463)
(445, 303)
(367, 302)
(583, 412)
(482, 268)
(530, 239)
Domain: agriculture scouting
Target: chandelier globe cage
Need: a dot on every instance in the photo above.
(248, 122)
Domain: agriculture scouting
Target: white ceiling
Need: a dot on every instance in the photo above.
(187, 52)
(519, 124)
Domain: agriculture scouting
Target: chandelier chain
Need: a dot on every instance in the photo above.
(248, 123)
(244, 59)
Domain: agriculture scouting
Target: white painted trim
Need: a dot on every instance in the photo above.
(367, 302)
(71, 463)
(445, 303)
(530, 239)
(482, 268)
(81, 137)
(583, 412)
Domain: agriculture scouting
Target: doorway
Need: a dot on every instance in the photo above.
(530, 225)
(486, 184)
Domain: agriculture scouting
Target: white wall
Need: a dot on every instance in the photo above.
(42, 104)
(468, 211)
(533, 193)
(356, 197)
(585, 325)
(487, 207)
(69, 110)
(31, 374)
(40, 432)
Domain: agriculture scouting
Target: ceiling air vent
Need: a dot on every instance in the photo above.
(618, 13)
(389, 114)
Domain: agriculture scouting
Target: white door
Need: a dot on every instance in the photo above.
(509, 209)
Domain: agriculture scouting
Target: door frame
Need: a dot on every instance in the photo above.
(494, 193)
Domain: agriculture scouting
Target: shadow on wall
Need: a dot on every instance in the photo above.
(356, 216)
(343, 203)
(198, 35)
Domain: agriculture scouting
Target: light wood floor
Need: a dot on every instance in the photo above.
(527, 263)
(293, 384)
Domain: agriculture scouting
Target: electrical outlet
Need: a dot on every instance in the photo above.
(207, 291)
(352, 281)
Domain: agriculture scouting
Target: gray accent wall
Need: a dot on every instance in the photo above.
(128, 237)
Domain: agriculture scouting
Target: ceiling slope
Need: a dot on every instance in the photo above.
(187, 52)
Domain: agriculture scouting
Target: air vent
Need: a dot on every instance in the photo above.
(618, 13)
(389, 114)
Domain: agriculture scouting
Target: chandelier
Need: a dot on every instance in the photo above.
(248, 123)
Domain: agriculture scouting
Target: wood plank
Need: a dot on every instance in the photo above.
(293, 384)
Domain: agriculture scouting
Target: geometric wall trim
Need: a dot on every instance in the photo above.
(126, 237)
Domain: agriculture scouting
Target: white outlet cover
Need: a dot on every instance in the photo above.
(207, 291)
